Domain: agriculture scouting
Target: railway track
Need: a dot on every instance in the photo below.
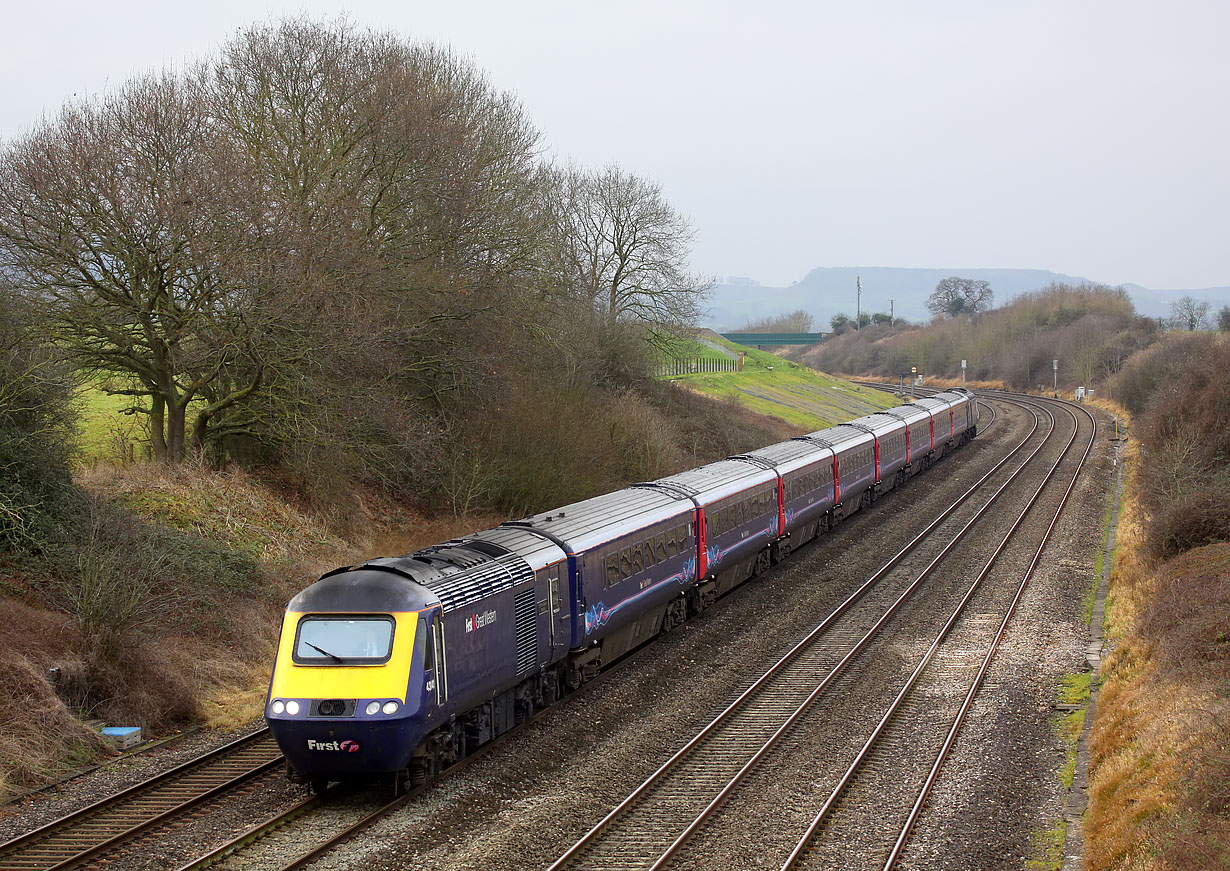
(893, 751)
(94, 831)
(651, 826)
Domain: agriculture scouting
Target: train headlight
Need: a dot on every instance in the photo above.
(292, 707)
(390, 707)
(278, 706)
(373, 708)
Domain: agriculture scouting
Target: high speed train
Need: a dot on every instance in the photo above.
(400, 666)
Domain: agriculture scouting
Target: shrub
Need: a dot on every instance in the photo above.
(35, 432)
(1191, 521)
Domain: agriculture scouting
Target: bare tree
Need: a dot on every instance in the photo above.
(955, 296)
(1187, 313)
(108, 217)
(797, 321)
(626, 249)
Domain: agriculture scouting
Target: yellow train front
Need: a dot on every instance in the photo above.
(350, 695)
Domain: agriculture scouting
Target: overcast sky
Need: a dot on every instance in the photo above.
(1091, 138)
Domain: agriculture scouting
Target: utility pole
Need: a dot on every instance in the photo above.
(858, 302)
(892, 317)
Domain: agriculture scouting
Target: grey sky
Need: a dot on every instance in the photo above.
(1091, 138)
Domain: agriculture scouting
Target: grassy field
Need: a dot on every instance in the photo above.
(104, 432)
(800, 396)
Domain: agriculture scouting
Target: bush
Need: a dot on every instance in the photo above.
(1091, 329)
(36, 432)
(1191, 521)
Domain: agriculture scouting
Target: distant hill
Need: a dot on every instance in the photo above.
(1156, 303)
(825, 291)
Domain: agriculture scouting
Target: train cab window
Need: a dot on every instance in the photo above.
(330, 639)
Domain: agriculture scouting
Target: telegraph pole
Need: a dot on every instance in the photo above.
(892, 317)
(858, 302)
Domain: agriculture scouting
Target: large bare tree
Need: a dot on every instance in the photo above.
(626, 249)
(1188, 313)
(955, 296)
(109, 218)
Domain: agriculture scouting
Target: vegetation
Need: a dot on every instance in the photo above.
(1188, 313)
(955, 297)
(1091, 330)
(797, 321)
(802, 398)
(1160, 779)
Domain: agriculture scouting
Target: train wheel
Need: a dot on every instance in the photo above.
(318, 785)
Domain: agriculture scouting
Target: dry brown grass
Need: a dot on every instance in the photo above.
(1160, 775)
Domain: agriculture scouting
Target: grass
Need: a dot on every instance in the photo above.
(1047, 848)
(789, 391)
(1099, 560)
(105, 432)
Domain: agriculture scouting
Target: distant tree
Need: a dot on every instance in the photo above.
(881, 318)
(1223, 318)
(626, 249)
(840, 321)
(797, 321)
(955, 296)
(1189, 314)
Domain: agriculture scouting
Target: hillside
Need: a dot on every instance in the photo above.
(801, 396)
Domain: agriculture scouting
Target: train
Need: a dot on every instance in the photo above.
(400, 666)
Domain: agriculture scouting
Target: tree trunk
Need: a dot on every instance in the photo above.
(157, 422)
(176, 415)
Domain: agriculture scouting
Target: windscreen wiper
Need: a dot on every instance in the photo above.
(325, 652)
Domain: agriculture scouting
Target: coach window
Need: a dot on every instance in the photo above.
(612, 569)
(637, 563)
(625, 563)
(659, 546)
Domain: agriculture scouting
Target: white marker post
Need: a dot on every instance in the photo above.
(962, 371)
(1055, 377)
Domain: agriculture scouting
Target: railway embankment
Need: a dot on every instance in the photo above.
(1159, 781)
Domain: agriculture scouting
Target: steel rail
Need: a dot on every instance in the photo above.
(806, 642)
(975, 686)
(103, 824)
(805, 841)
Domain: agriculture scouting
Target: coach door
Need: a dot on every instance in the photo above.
(436, 667)
(558, 618)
